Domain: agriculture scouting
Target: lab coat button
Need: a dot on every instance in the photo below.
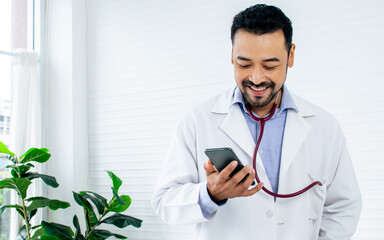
(260, 151)
(269, 214)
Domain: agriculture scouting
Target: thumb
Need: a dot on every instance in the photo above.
(209, 168)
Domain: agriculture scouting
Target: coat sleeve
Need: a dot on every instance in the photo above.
(343, 202)
(176, 194)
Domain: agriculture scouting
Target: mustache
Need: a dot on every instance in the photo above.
(247, 82)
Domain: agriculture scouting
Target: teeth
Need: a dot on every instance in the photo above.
(258, 89)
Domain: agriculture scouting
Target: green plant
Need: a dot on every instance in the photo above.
(20, 181)
(107, 212)
(93, 219)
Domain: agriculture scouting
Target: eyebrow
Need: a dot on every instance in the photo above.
(274, 59)
(243, 58)
(271, 60)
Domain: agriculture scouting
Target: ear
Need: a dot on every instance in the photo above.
(291, 55)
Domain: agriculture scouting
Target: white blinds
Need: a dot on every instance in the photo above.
(149, 60)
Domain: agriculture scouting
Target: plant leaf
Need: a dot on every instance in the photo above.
(32, 149)
(38, 233)
(31, 214)
(41, 202)
(88, 209)
(82, 201)
(21, 169)
(14, 173)
(19, 184)
(28, 151)
(91, 219)
(117, 207)
(17, 207)
(49, 180)
(36, 155)
(57, 230)
(116, 195)
(37, 226)
(96, 195)
(106, 234)
(5, 150)
(78, 235)
(115, 180)
(122, 221)
(46, 237)
(100, 205)
(13, 166)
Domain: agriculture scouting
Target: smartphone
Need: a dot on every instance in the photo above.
(221, 157)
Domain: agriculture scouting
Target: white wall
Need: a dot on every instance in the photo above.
(149, 60)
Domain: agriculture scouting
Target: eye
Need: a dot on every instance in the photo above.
(269, 68)
(244, 66)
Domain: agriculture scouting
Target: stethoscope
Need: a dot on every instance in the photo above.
(262, 124)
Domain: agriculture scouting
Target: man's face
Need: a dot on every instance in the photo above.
(260, 66)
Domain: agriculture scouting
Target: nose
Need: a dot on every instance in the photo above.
(257, 75)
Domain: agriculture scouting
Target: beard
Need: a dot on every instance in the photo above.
(258, 101)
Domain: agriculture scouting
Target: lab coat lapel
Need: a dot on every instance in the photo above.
(234, 124)
(295, 133)
(236, 128)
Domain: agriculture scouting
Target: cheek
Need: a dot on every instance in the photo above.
(278, 76)
(241, 74)
(238, 76)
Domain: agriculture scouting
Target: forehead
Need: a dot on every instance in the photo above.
(252, 46)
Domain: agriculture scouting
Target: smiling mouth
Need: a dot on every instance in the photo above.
(257, 89)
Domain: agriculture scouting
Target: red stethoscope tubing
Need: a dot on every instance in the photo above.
(262, 124)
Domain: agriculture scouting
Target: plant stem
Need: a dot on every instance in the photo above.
(25, 213)
(26, 220)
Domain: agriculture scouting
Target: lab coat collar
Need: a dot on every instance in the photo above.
(286, 101)
(225, 102)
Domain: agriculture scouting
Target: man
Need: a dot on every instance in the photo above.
(301, 144)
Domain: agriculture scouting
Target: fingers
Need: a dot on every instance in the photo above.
(228, 170)
(240, 176)
(254, 190)
(250, 178)
(221, 186)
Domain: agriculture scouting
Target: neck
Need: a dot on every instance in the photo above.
(263, 111)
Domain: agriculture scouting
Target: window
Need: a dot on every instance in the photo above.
(17, 30)
(5, 96)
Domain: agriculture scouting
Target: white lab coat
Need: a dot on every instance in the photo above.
(313, 149)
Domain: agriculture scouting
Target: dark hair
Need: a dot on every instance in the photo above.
(260, 19)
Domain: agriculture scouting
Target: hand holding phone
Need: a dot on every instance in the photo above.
(221, 157)
(232, 181)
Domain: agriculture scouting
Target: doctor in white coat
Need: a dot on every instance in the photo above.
(313, 148)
